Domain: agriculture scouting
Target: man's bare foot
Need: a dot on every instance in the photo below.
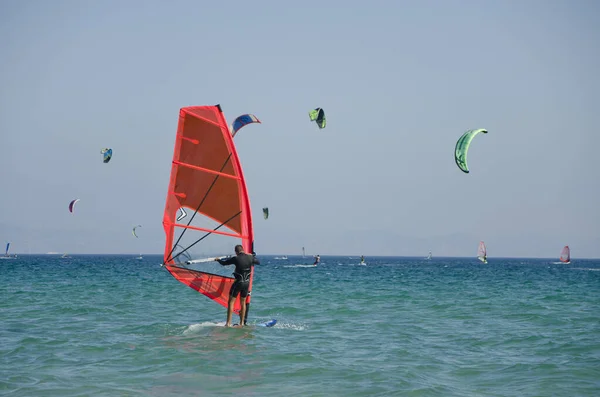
(227, 324)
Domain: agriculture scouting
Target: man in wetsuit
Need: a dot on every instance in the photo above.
(317, 260)
(243, 266)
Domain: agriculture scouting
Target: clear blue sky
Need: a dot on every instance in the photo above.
(400, 82)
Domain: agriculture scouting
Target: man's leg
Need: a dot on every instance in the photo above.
(242, 311)
(230, 310)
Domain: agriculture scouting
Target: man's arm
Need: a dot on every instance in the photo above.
(226, 262)
(255, 260)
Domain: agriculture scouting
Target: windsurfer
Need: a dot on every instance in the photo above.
(243, 266)
(317, 260)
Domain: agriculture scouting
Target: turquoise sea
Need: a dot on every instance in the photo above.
(116, 326)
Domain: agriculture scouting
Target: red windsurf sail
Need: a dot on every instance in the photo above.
(565, 254)
(207, 210)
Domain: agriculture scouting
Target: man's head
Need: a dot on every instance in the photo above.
(239, 249)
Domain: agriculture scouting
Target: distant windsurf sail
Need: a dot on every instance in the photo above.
(482, 252)
(207, 180)
(6, 253)
(565, 254)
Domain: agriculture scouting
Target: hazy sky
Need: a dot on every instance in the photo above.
(400, 82)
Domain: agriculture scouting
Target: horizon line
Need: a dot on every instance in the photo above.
(307, 256)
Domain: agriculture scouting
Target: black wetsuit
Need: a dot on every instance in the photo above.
(243, 266)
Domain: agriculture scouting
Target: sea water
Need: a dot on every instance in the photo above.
(116, 326)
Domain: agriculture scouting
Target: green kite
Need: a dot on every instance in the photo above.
(462, 146)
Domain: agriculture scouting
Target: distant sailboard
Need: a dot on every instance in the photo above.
(6, 253)
(482, 252)
(565, 255)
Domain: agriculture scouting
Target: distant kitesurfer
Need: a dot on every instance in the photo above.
(362, 259)
(243, 267)
(317, 260)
